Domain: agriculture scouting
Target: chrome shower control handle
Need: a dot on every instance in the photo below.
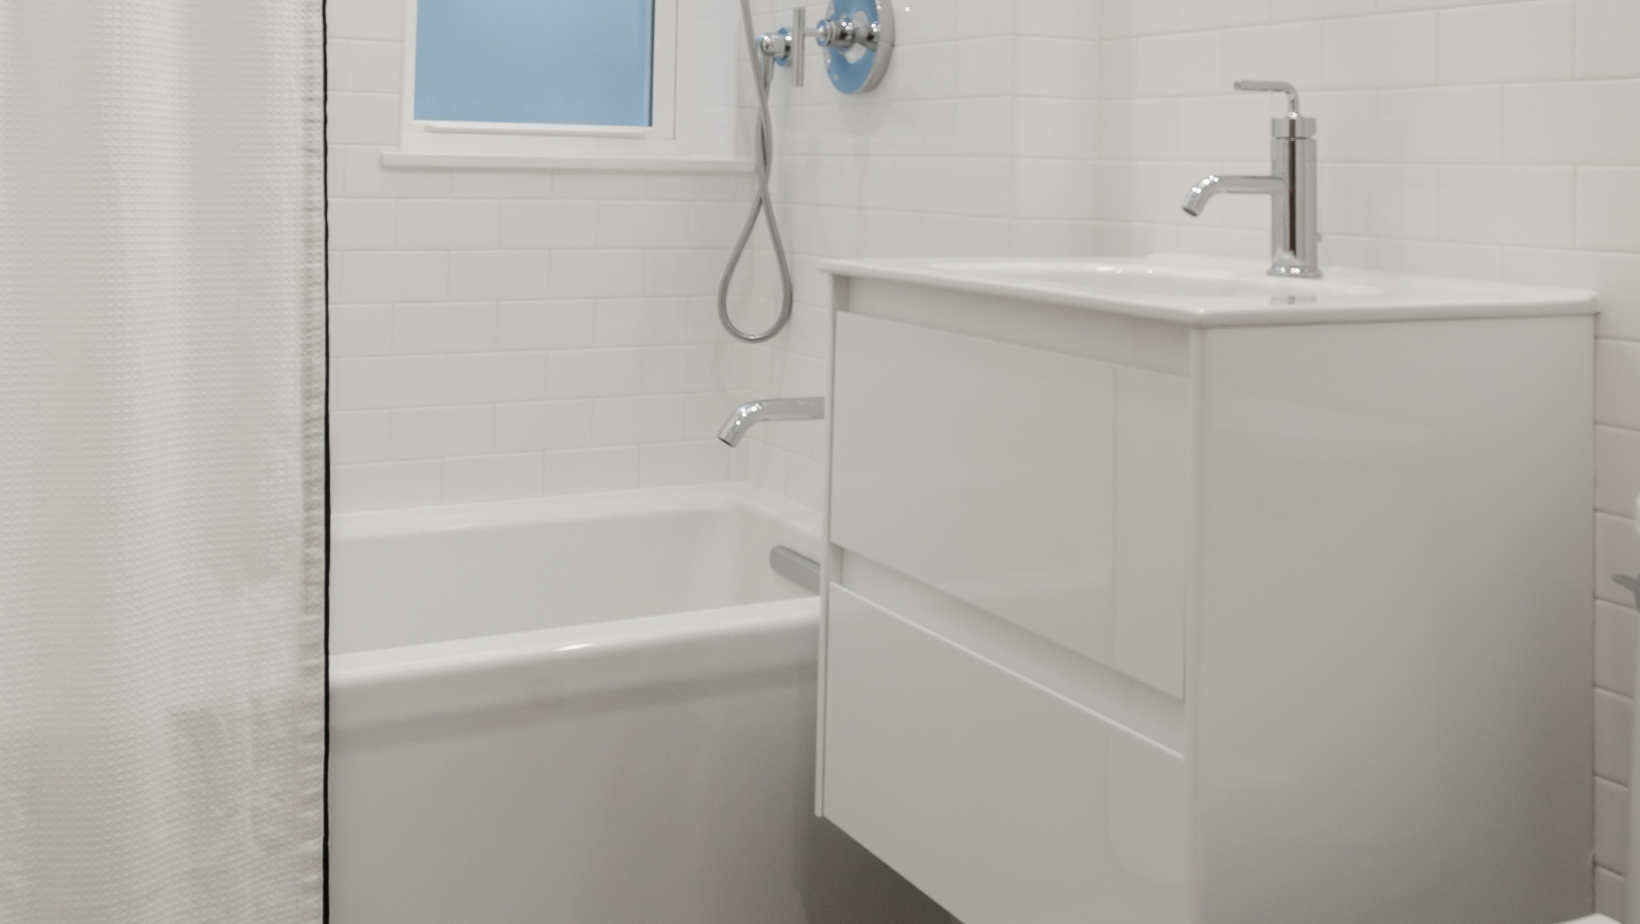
(795, 58)
(842, 34)
(834, 33)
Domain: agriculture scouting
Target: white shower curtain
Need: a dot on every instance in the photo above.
(161, 461)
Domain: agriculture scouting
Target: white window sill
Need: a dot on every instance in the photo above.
(425, 161)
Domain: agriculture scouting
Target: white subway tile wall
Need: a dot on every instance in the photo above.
(1482, 139)
(528, 332)
(501, 334)
(981, 141)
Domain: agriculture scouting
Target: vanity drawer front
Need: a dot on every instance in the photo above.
(1051, 490)
(1006, 803)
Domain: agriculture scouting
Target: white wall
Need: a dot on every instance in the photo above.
(979, 142)
(1493, 140)
(509, 333)
(501, 333)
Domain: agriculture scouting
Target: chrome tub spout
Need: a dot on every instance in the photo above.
(764, 409)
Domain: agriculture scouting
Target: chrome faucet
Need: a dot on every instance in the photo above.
(1290, 186)
(755, 412)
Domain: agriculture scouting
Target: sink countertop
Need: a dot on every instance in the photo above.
(1218, 292)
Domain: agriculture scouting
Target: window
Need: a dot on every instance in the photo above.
(524, 61)
(542, 77)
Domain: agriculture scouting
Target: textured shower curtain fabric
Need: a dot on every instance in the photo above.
(162, 494)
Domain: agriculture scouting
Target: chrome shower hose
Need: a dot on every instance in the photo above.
(762, 72)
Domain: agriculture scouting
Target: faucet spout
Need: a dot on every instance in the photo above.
(1213, 184)
(754, 412)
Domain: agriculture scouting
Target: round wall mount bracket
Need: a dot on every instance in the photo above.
(857, 37)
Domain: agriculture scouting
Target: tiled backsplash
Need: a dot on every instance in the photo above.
(496, 347)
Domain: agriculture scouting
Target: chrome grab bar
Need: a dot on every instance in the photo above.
(795, 567)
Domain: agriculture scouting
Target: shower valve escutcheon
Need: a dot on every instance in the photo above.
(856, 39)
(1294, 241)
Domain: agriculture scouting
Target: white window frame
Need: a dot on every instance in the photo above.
(665, 137)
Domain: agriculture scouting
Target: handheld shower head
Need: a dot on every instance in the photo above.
(763, 58)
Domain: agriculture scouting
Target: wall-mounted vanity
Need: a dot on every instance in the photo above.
(1162, 590)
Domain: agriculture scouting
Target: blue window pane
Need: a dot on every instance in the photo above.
(569, 62)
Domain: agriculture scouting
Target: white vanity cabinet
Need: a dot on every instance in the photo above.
(1163, 591)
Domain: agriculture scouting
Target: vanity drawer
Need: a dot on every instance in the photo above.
(1005, 802)
(1047, 488)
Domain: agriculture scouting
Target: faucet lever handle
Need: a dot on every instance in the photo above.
(799, 20)
(1274, 86)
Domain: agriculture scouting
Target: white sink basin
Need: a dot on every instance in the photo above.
(1156, 279)
(1210, 292)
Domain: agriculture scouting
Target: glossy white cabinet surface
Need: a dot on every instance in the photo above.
(1394, 646)
(927, 742)
(1166, 591)
(1051, 490)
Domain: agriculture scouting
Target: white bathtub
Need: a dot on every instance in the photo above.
(593, 710)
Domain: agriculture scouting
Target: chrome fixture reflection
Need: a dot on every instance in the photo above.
(766, 409)
(785, 47)
(1290, 186)
(858, 39)
(796, 567)
(843, 33)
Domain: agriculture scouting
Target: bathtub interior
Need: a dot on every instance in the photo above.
(685, 804)
(412, 577)
(594, 710)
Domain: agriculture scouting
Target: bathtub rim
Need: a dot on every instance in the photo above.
(439, 679)
(568, 508)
